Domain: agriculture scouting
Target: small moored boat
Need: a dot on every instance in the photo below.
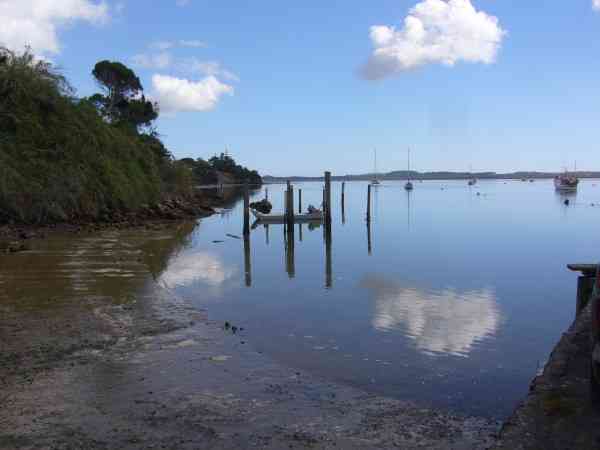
(566, 183)
(314, 216)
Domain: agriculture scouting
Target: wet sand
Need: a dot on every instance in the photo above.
(96, 354)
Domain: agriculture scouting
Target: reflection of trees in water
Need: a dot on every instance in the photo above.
(445, 321)
(111, 263)
(158, 252)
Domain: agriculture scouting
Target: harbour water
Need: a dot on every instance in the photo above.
(453, 296)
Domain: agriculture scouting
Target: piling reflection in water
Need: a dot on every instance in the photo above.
(247, 261)
(447, 321)
(290, 257)
(369, 242)
(328, 258)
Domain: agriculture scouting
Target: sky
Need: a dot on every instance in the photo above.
(296, 88)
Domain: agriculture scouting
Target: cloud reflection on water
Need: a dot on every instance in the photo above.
(204, 267)
(446, 321)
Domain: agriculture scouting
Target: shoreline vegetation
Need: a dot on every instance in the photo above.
(99, 159)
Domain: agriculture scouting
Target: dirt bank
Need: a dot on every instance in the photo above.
(16, 237)
(98, 354)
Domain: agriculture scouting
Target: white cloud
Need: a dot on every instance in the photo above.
(36, 22)
(161, 60)
(208, 68)
(166, 45)
(596, 5)
(180, 95)
(435, 31)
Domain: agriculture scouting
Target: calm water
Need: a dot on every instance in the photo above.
(451, 298)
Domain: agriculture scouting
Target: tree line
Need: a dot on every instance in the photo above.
(63, 157)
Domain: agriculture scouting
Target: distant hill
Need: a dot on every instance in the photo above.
(443, 175)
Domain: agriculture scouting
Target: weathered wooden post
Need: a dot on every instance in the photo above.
(585, 284)
(343, 202)
(299, 201)
(328, 199)
(267, 194)
(290, 206)
(247, 261)
(246, 210)
(369, 203)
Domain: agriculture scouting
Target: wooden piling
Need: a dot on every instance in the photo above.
(369, 203)
(343, 203)
(267, 194)
(328, 199)
(585, 286)
(246, 210)
(299, 201)
(290, 206)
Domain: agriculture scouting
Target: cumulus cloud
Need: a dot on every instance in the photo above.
(596, 5)
(180, 95)
(35, 23)
(434, 32)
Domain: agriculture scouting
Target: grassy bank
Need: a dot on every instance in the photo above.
(63, 158)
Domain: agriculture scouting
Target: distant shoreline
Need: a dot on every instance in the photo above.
(440, 176)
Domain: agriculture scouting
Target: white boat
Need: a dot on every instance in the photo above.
(409, 186)
(315, 216)
(472, 180)
(375, 181)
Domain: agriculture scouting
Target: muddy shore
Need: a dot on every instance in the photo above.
(113, 359)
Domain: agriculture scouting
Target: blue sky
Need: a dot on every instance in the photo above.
(288, 95)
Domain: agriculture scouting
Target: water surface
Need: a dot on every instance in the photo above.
(454, 296)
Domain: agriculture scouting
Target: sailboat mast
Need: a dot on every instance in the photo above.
(375, 166)
(408, 174)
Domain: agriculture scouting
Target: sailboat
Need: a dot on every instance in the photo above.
(567, 182)
(375, 181)
(408, 186)
(472, 179)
